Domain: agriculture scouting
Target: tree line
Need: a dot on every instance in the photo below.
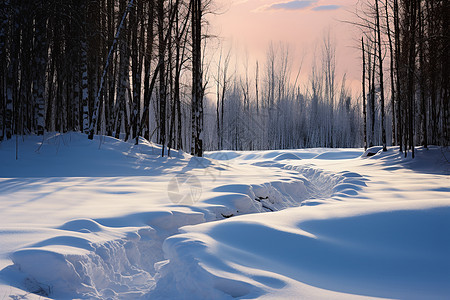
(270, 105)
(138, 69)
(410, 41)
(103, 67)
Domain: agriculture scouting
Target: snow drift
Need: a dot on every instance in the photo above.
(103, 219)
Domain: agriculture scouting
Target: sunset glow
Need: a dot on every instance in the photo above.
(250, 25)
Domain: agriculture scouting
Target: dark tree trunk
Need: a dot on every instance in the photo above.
(197, 85)
(411, 72)
(423, 114)
(40, 71)
(162, 75)
(391, 72)
(144, 123)
(398, 95)
(364, 93)
(380, 65)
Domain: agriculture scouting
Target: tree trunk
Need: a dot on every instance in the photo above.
(398, 95)
(162, 75)
(380, 65)
(197, 86)
(411, 72)
(84, 86)
(423, 114)
(144, 123)
(391, 56)
(364, 93)
(40, 72)
(124, 74)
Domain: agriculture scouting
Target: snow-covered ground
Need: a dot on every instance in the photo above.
(107, 219)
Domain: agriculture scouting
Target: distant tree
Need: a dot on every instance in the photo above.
(364, 92)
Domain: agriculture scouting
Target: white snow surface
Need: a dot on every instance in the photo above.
(106, 219)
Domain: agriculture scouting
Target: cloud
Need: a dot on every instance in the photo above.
(297, 5)
(291, 5)
(326, 7)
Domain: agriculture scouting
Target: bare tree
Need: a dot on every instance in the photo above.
(380, 74)
(364, 92)
(197, 79)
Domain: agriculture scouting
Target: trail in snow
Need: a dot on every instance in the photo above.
(333, 232)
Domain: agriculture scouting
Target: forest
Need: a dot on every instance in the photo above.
(138, 69)
(302, 152)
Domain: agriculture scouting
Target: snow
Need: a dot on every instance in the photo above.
(106, 219)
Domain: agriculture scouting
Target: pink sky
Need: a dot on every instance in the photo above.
(253, 24)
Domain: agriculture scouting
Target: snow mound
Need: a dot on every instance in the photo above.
(349, 250)
(99, 261)
(337, 155)
(222, 155)
(82, 225)
(372, 151)
(238, 199)
(286, 156)
(73, 155)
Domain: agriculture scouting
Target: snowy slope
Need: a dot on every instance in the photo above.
(108, 219)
